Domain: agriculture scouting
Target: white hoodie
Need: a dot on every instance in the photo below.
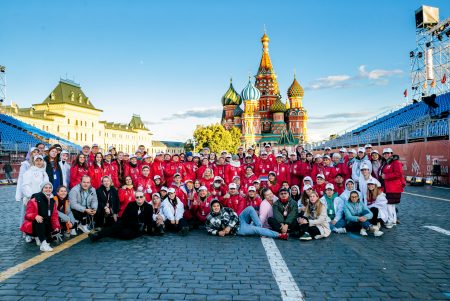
(32, 180)
(169, 212)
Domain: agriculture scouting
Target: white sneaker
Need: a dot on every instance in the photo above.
(84, 228)
(363, 232)
(389, 225)
(340, 230)
(378, 233)
(38, 241)
(73, 232)
(28, 238)
(45, 247)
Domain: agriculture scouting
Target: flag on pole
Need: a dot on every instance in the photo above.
(405, 93)
(444, 79)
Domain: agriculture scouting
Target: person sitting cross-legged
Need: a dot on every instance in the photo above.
(358, 216)
(222, 221)
(136, 220)
(315, 223)
(285, 212)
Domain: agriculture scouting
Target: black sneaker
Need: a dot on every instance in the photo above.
(306, 236)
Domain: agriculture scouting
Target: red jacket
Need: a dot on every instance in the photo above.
(76, 173)
(132, 171)
(282, 171)
(218, 192)
(111, 169)
(339, 190)
(157, 169)
(392, 171)
(342, 168)
(190, 167)
(246, 182)
(255, 202)
(263, 167)
(201, 209)
(200, 171)
(207, 183)
(320, 189)
(171, 169)
(31, 213)
(295, 169)
(219, 170)
(236, 202)
(232, 171)
(96, 174)
(329, 173)
(317, 169)
(146, 183)
(306, 169)
(275, 188)
(126, 196)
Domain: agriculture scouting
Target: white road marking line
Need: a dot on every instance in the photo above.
(439, 187)
(437, 229)
(286, 283)
(429, 197)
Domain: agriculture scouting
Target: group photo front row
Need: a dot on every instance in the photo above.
(282, 195)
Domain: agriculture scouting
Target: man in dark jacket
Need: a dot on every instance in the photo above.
(108, 204)
(285, 212)
(136, 221)
(7, 168)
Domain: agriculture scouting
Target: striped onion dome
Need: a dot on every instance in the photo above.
(250, 92)
(238, 111)
(231, 97)
(295, 90)
(278, 106)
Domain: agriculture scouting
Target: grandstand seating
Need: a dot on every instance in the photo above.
(382, 128)
(18, 135)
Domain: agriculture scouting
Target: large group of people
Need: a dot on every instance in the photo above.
(281, 194)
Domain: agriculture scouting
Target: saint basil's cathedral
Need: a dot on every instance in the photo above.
(266, 119)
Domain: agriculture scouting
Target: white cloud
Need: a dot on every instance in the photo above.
(378, 73)
(329, 82)
(208, 112)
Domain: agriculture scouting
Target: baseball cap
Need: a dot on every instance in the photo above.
(329, 186)
(232, 185)
(252, 188)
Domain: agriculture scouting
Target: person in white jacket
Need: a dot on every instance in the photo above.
(33, 178)
(359, 160)
(65, 167)
(364, 176)
(24, 166)
(377, 203)
(173, 210)
(158, 216)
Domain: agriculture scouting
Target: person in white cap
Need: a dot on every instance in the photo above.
(251, 152)
(158, 216)
(340, 166)
(145, 183)
(329, 171)
(65, 167)
(393, 182)
(94, 151)
(217, 190)
(132, 169)
(360, 159)
(173, 209)
(363, 179)
(248, 161)
(358, 216)
(327, 151)
(41, 218)
(351, 159)
(32, 181)
(377, 203)
(175, 166)
(253, 199)
(200, 206)
(233, 199)
(320, 184)
(344, 154)
(233, 169)
(368, 150)
(335, 209)
(281, 169)
(295, 169)
(24, 166)
(157, 168)
(318, 167)
(375, 159)
(147, 160)
(263, 166)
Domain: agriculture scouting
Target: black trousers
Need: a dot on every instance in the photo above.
(374, 220)
(80, 216)
(102, 220)
(276, 225)
(119, 230)
(312, 230)
(176, 227)
(43, 230)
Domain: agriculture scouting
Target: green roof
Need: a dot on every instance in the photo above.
(136, 122)
(173, 143)
(69, 92)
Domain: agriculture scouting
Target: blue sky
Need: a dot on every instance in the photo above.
(170, 61)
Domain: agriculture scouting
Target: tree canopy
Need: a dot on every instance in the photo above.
(217, 138)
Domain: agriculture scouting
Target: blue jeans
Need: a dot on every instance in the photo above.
(248, 216)
(340, 224)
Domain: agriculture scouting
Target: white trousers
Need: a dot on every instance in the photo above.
(392, 214)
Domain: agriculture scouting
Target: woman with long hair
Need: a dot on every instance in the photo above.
(78, 170)
(96, 171)
(377, 202)
(66, 218)
(126, 194)
(314, 223)
(53, 169)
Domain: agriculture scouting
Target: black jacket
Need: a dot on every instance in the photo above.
(49, 170)
(132, 220)
(112, 198)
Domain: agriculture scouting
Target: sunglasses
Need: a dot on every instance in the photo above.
(140, 197)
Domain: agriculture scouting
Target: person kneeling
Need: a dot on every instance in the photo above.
(315, 222)
(41, 217)
(136, 221)
(222, 221)
(358, 216)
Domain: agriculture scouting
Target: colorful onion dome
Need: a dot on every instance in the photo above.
(238, 112)
(231, 97)
(278, 106)
(250, 92)
(295, 90)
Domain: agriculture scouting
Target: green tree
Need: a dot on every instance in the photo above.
(189, 145)
(217, 138)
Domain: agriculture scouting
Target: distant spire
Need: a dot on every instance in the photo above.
(265, 31)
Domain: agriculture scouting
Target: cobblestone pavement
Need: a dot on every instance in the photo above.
(409, 262)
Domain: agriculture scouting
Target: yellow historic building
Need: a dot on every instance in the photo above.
(68, 113)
